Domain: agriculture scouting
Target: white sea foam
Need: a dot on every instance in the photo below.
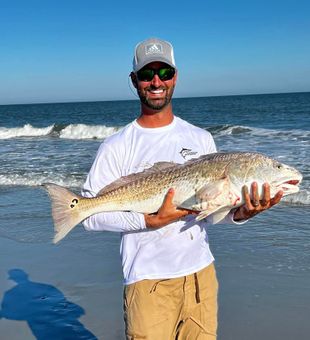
(26, 131)
(72, 131)
(302, 198)
(259, 132)
(230, 130)
(34, 179)
(82, 131)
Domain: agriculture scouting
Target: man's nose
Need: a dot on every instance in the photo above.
(156, 82)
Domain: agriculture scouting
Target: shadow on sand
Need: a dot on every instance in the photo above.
(48, 313)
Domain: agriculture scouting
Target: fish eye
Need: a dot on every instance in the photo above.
(279, 166)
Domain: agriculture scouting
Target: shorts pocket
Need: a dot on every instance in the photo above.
(129, 292)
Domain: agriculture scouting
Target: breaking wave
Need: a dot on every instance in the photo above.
(37, 179)
(84, 131)
(223, 130)
(300, 198)
(26, 131)
(71, 131)
(229, 130)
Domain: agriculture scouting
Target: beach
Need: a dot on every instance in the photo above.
(73, 290)
(261, 294)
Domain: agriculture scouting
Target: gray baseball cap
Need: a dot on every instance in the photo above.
(151, 50)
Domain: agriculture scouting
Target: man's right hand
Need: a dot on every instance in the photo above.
(166, 214)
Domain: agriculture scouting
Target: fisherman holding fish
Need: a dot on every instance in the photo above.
(170, 282)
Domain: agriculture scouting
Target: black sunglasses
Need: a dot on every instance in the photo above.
(164, 73)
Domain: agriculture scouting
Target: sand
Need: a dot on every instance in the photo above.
(75, 290)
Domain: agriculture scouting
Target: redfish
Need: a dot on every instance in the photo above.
(210, 184)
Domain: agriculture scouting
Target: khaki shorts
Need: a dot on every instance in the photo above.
(179, 308)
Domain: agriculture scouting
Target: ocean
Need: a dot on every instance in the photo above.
(263, 266)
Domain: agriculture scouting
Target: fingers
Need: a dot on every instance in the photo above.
(168, 211)
(277, 198)
(251, 200)
(168, 198)
(265, 201)
(268, 202)
(168, 207)
(246, 196)
(244, 211)
(255, 196)
(266, 195)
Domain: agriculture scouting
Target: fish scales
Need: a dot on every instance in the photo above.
(155, 185)
(210, 184)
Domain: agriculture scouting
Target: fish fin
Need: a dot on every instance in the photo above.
(207, 197)
(116, 184)
(203, 214)
(65, 209)
(212, 190)
(215, 216)
(157, 167)
(219, 215)
(160, 166)
(215, 156)
(212, 198)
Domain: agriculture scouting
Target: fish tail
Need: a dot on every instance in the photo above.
(65, 209)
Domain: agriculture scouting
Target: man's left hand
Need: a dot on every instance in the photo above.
(253, 205)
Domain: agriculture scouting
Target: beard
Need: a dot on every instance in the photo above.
(156, 104)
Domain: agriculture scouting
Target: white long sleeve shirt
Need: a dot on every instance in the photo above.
(180, 248)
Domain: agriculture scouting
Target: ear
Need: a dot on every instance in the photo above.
(134, 79)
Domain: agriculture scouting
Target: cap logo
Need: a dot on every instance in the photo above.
(153, 49)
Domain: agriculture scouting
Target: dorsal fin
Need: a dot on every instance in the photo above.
(157, 167)
(218, 156)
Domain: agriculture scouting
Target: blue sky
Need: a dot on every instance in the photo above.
(60, 51)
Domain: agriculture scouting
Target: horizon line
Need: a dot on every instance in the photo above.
(137, 99)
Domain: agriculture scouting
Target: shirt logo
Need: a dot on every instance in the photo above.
(185, 153)
(153, 49)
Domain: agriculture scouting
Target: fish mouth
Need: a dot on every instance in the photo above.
(290, 186)
(292, 182)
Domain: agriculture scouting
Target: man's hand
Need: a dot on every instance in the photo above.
(253, 205)
(166, 214)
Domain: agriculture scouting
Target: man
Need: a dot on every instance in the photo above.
(170, 281)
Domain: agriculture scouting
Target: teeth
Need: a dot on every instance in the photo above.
(157, 91)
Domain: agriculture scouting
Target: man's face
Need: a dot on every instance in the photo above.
(156, 93)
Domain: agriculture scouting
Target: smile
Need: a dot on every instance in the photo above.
(158, 91)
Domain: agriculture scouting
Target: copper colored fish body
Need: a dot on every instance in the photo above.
(210, 184)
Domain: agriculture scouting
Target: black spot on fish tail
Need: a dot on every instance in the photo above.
(74, 202)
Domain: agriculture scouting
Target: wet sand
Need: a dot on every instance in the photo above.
(75, 290)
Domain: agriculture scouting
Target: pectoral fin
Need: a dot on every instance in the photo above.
(208, 197)
(213, 198)
(212, 190)
(214, 217)
(205, 213)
